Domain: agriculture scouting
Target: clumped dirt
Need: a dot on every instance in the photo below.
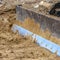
(41, 9)
(16, 47)
(8, 4)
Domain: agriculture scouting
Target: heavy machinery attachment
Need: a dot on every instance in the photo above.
(46, 21)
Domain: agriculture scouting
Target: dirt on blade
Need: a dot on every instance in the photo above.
(16, 47)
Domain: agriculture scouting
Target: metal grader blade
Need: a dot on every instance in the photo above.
(45, 21)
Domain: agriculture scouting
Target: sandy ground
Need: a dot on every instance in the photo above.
(41, 8)
(8, 4)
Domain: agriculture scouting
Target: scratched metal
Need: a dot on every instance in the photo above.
(45, 22)
(54, 48)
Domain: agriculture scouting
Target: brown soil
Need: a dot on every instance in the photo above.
(16, 47)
